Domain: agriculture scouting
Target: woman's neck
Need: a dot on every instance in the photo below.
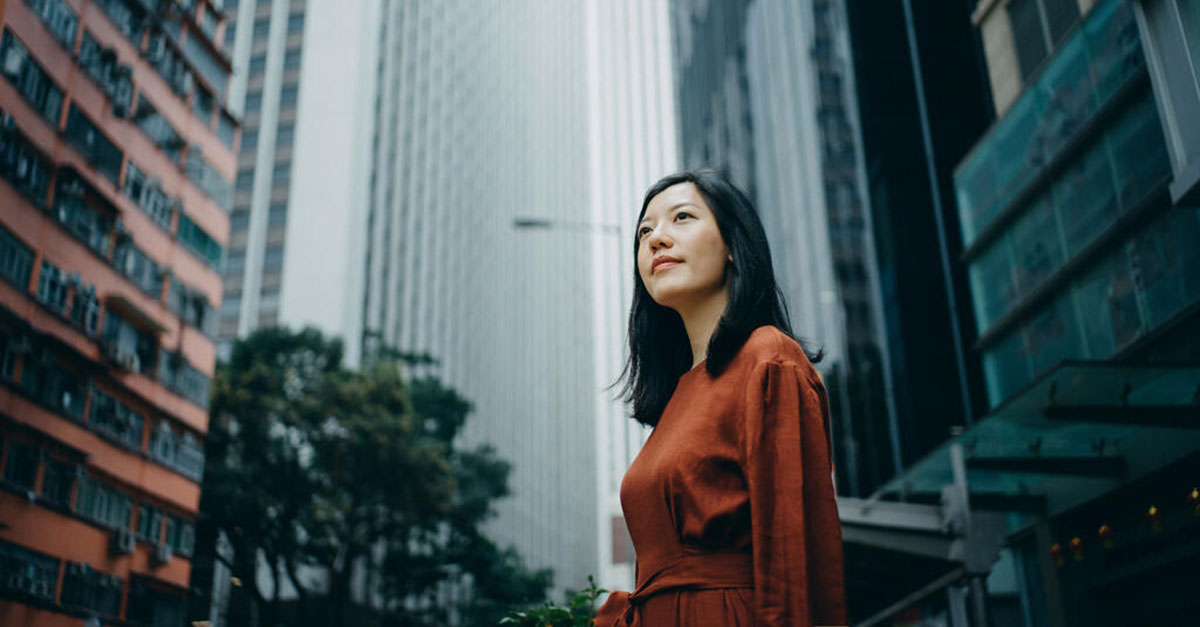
(701, 322)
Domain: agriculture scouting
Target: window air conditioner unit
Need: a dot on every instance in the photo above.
(121, 542)
(43, 589)
(13, 62)
(157, 49)
(128, 360)
(120, 108)
(162, 554)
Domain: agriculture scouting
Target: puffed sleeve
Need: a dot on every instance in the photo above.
(796, 536)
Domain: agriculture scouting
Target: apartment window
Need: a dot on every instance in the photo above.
(161, 54)
(199, 242)
(93, 145)
(52, 288)
(58, 481)
(140, 269)
(27, 573)
(121, 13)
(74, 210)
(200, 172)
(103, 504)
(281, 174)
(23, 166)
(205, 62)
(130, 346)
(20, 470)
(249, 140)
(277, 216)
(239, 220)
(253, 102)
(180, 377)
(90, 591)
(262, 27)
(116, 81)
(226, 127)
(273, 257)
(85, 309)
(269, 301)
(147, 195)
(192, 306)
(50, 385)
(181, 535)
(16, 260)
(180, 452)
(285, 135)
(287, 97)
(1038, 26)
(111, 416)
(149, 524)
(291, 59)
(203, 105)
(235, 265)
(30, 80)
(156, 127)
(59, 18)
(245, 180)
(295, 23)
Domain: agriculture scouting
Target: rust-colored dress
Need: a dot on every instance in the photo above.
(730, 502)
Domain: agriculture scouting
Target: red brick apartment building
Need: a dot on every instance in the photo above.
(116, 156)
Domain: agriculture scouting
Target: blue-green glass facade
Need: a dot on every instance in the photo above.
(1074, 250)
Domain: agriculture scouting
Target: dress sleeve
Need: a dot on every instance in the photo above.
(796, 535)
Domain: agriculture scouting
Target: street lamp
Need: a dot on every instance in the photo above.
(544, 223)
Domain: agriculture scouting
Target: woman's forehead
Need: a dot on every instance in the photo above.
(684, 193)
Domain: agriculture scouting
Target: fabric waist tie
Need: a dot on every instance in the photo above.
(695, 571)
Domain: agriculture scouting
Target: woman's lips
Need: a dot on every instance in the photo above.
(664, 265)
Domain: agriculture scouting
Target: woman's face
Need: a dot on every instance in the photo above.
(678, 224)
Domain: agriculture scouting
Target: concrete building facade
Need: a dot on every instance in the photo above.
(766, 92)
(116, 156)
(632, 143)
(479, 123)
(298, 221)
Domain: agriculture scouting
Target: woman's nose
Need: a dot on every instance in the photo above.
(656, 240)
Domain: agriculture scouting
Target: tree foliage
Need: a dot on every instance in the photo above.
(343, 495)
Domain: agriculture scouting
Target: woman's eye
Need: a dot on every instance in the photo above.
(642, 231)
(683, 213)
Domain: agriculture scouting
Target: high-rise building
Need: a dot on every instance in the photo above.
(632, 144)
(1077, 217)
(766, 92)
(116, 156)
(481, 120)
(304, 81)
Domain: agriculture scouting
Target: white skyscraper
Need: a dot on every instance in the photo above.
(481, 118)
(304, 80)
(632, 144)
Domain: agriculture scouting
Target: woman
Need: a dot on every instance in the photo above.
(730, 502)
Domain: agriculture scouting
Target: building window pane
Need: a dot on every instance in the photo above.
(58, 482)
(1028, 36)
(20, 470)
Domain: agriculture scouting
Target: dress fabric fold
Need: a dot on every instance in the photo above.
(730, 503)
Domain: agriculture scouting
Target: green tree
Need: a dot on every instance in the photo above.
(353, 474)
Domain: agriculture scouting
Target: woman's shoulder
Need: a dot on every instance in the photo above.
(768, 344)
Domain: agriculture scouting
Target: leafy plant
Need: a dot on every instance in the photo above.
(578, 613)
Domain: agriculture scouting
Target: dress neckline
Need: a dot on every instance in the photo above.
(699, 366)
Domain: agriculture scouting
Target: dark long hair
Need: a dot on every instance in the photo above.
(659, 350)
